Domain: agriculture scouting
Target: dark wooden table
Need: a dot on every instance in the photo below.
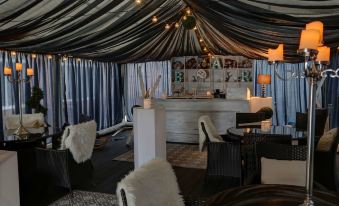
(270, 195)
(285, 130)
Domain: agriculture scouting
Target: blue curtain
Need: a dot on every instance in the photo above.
(288, 97)
(332, 95)
(94, 89)
(150, 72)
(46, 76)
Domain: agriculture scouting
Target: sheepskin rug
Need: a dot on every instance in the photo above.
(80, 139)
(152, 184)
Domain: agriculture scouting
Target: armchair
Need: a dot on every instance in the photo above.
(70, 166)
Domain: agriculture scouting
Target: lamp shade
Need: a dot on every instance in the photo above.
(276, 54)
(323, 54)
(264, 79)
(30, 72)
(319, 26)
(309, 39)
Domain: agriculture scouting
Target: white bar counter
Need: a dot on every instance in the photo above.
(182, 116)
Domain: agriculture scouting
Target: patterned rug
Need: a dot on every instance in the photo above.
(182, 155)
(84, 198)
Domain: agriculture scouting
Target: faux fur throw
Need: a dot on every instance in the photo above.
(153, 184)
(28, 120)
(80, 139)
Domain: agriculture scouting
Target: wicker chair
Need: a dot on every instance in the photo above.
(223, 158)
(320, 117)
(273, 151)
(325, 157)
(248, 120)
(250, 141)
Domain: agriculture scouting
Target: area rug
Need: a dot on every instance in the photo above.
(181, 155)
(84, 198)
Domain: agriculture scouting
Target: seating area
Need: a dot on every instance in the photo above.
(169, 103)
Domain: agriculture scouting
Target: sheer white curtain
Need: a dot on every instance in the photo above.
(150, 72)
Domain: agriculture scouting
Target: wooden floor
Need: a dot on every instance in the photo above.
(108, 173)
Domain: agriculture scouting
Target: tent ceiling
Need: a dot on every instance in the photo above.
(122, 31)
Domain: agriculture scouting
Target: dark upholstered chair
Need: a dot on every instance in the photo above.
(273, 151)
(223, 158)
(59, 167)
(249, 120)
(320, 119)
(325, 160)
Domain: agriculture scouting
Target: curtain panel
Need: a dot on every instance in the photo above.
(150, 72)
(332, 93)
(288, 97)
(94, 89)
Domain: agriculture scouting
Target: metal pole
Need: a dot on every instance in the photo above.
(310, 142)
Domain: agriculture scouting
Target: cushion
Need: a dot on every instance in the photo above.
(285, 172)
(210, 129)
(28, 120)
(152, 184)
(326, 141)
(80, 139)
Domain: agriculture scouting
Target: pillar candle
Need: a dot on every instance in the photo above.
(317, 25)
(18, 67)
(30, 71)
(323, 54)
(309, 39)
(7, 71)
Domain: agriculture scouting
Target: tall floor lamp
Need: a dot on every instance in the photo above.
(316, 58)
(19, 79)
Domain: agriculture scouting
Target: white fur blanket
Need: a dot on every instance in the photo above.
(80, 139)
(152, 184)
(28, 120)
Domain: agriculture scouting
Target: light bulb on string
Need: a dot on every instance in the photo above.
(201, 40)
(49, 56)
(185, 17)
(13, 53)
(205, 49)
(154, 19)
(195, 28)
(167, 26)
(138, 1)
(78, 59)
(188, 11)
(33, 56)
(176, 25)
(64, 58)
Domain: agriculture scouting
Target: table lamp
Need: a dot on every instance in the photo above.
(263, 80)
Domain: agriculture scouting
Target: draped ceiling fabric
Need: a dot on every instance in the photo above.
(122, 31)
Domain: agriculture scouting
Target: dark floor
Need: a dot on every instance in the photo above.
(108, 173)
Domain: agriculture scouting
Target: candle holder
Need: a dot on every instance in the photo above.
(21, 131)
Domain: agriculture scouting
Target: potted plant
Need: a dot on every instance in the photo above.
(34, 100)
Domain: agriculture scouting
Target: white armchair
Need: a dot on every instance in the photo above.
(212, 132)
(152, 184)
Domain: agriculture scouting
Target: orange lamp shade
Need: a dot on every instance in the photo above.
(264, 79)
(309, 39)
(276, 54)
(30, 71)
(7, 71)
(319, 26)
(323, 54)
(18, 67)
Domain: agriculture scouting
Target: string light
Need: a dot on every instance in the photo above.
(13, 53)
(154, 19)
(78, 59)
(64, 58)
(205, 49)
(138, 1)
(49, 56)
(201, 40)
(33, 56)
(167, 26)
(188, 11)
(185, 17)
(195, 28)
(177, 25)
